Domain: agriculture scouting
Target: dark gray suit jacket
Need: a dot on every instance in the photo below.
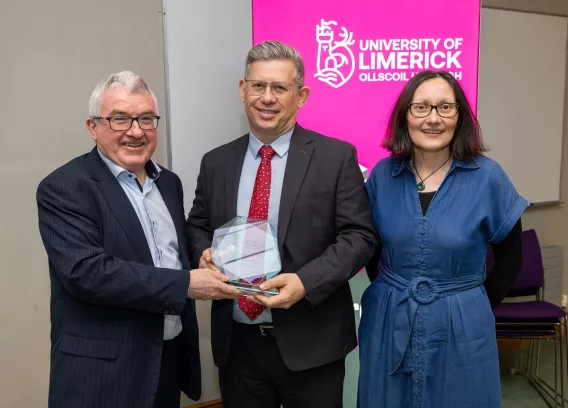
(107, 299)
(325, 235)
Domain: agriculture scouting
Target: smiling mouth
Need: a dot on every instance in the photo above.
(133, 145)
(267, 111)
(432, 131)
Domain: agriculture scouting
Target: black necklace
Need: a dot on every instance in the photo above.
(420, 186)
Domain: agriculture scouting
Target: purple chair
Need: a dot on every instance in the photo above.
(534, 320)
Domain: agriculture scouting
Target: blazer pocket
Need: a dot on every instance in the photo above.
(93, 348)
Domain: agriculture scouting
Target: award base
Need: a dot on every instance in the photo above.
(252, 289)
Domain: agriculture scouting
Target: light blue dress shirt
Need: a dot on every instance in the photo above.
(156, 222)
(246, 186)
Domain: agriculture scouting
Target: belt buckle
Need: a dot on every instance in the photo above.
(432, 294)
(263, 327)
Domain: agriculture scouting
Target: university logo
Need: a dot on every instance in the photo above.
(336, 62)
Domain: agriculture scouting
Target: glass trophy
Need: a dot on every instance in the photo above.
(246, 251)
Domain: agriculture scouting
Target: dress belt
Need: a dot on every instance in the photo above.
(419, 291)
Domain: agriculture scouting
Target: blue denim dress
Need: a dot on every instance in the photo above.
(427, 332)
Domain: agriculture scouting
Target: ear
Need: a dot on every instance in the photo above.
(242, 89)
(303, 96)
(92, 127)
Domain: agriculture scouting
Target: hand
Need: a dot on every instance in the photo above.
(291, 291)
(206, 260)
(207, 284)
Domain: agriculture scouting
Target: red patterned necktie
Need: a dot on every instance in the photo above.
(259, 211)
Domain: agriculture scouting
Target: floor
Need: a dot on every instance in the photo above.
(516, 389)
(518, 393)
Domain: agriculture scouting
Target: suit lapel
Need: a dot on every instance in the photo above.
(173, 203)
(299, 155)
(233, 176)
(119, 205)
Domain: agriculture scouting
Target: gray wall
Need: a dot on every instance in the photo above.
(51, 55)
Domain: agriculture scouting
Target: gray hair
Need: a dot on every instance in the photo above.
(125, 79)
(275, 50)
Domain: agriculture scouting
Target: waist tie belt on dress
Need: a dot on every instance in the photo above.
(419, 291)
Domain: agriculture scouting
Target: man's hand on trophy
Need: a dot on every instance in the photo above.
(206, 260)
(291, 291)
(208, 284)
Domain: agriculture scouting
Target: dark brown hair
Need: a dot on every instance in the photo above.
(467, 141)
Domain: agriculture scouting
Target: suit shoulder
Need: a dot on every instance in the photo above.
(171, 178)
(72, 170)
(320, 138)
(167, 173)
(221, 151)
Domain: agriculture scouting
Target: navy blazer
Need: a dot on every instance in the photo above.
(108, 300)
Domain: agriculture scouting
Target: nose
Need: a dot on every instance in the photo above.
(135, 130)
(267, 97)
(433, 117)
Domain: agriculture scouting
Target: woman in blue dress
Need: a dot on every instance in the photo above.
(427, 333)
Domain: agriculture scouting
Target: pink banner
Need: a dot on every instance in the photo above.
(358, 55)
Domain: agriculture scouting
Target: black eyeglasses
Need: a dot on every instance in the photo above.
(444, 110)
(146, 122)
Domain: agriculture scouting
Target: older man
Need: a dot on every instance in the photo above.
(124, 332)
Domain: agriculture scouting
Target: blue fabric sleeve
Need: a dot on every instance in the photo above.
(506, 205)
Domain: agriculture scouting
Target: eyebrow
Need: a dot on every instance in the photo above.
(427, 102)
(147, 112)
(268, 82)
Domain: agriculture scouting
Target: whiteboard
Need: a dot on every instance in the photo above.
(522, 71)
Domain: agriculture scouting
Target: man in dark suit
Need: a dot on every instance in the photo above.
(123, 326)
(290, 348)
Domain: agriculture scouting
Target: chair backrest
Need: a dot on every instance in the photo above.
(531, 278)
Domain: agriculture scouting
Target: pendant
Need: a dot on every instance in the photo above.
(420, 186)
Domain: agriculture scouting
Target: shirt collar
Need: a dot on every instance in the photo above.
(280, 145)
(152, 169)
(400, 164)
